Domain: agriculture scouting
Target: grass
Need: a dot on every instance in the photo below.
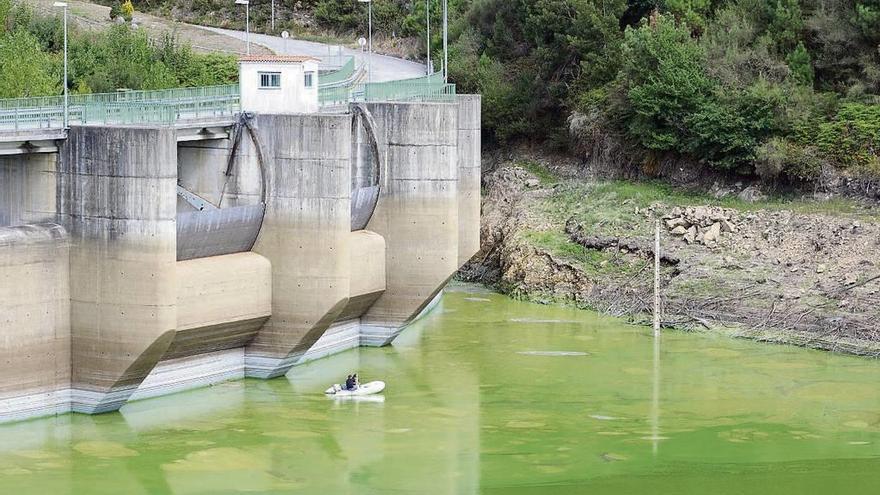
(591, 261)
(541, 172)
(610, 206)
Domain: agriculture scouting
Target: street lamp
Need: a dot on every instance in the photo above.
(370, 38)
(445, 41)
(63, 5)
(273, 16)
(428, 24)
(247, 22)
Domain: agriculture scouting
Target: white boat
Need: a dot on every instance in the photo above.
(363, 389)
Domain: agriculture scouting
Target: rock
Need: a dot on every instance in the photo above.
(691, 235)
(676, 222)
(726, 226)
(821, 268)
(794, 269)
(752, 194)
(679, 230)
(532, 183)
(712, 233)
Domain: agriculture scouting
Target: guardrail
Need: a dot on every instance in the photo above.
(338, 76)
(426, 88)
(122, 107)
(172, 106)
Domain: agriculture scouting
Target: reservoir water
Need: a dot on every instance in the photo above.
(489, 395)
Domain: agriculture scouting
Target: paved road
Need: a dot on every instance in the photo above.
(385, 68)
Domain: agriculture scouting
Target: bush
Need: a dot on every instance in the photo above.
(664, 81)
(127, 10)
(779, 157)
(852, 137)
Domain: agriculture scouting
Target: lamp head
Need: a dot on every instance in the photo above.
(62, 5)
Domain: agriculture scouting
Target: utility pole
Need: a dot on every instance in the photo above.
(273, 16)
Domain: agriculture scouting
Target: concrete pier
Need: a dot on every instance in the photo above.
(304, 234)
(417, 214)
(117, 199)
(359, 220)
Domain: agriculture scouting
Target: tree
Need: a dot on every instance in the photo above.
(25, 70)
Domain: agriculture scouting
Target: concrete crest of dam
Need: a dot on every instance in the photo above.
(137, 261)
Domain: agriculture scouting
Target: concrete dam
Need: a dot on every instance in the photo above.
(138, 260)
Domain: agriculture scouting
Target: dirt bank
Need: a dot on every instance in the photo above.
(801, 271)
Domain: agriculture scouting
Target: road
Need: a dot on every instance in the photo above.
(92, 17)
(385, 68)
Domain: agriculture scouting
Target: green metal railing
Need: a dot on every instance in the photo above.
(172, 106)
(427, 88)
(339, 76)
(166, 106)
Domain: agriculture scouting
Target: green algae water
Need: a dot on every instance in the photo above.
(489, 395)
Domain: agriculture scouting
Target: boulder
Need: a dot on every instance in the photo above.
(691, 236)
(679, 230)
(752, 194)
(712, 233)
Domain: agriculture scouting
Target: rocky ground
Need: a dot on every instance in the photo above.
(802, 271)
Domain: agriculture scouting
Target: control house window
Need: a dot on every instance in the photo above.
(309, 79)
(270, 80)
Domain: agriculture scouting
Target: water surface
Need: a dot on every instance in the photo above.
(489, 395)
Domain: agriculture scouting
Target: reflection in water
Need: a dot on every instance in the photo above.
(655, 395)
(488, 397)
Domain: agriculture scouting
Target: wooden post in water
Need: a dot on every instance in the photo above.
(657, 278)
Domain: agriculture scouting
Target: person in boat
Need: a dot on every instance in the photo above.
(351, 382)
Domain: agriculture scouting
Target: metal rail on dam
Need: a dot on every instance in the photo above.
(138, 260)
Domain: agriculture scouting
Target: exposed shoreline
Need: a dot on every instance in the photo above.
(801, 272)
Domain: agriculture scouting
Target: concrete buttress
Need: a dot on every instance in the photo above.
(304, 235)
(469, 176)
(417, 213)
(117, 199)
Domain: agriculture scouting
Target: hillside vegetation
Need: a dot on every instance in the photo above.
(781, 89)
(777, 88)
(31, 58)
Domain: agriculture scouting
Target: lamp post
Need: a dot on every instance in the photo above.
(63, 5)
(428, 24)
(247, 22)
(273, 16)
(370, 39)
(445, 41)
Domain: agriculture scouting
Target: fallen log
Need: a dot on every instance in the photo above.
(576, 234)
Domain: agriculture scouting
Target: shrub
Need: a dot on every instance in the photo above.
(127, 10)
(779, 157)
(664, 81)
(852, 137)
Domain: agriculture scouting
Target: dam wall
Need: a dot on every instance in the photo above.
(181, 257)
(417, 212)
(117, 200)
(34, 321)
(27, 188)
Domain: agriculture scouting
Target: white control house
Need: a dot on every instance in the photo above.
(279, 84)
